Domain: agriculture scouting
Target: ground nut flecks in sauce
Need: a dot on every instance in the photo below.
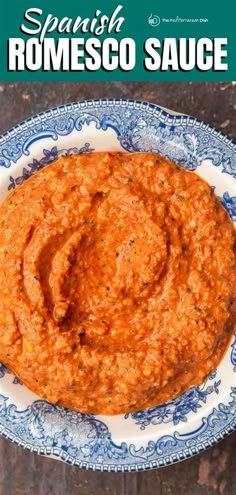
(117, 281)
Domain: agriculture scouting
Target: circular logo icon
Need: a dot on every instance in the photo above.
(154, 20)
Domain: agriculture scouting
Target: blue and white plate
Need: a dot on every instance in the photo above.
(203, 415)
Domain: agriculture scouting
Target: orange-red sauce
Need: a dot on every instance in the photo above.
(117, 281)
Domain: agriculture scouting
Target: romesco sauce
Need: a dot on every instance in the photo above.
(117, 281)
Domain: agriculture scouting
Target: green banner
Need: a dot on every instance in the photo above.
(117, 40)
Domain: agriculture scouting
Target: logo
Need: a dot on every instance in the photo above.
(154, 20)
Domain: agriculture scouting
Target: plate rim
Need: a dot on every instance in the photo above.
(173, 114)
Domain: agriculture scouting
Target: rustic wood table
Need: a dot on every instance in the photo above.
(213, 472)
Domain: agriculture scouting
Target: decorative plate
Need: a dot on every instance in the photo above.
(201, 416)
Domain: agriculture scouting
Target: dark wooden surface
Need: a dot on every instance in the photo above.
(211, 473)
